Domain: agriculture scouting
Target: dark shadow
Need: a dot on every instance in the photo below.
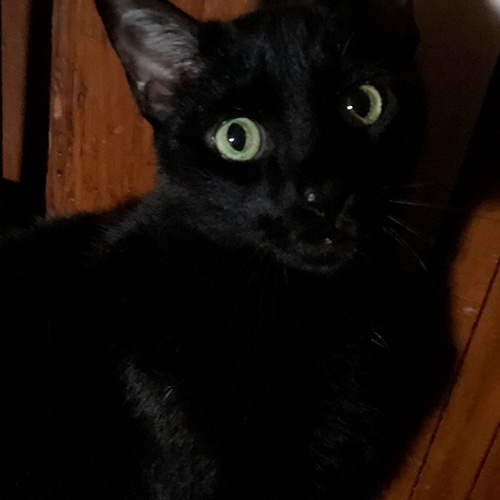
(479, 177)
(436, 224)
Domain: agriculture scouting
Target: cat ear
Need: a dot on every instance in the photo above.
(158, 47)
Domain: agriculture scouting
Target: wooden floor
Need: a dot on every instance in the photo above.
(457, 457)
(93, 122)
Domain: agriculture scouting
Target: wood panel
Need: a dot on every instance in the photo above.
(445, 459)
(487, 483)
(470, 420)
(100, 148)
(15, 16)
(26, 48)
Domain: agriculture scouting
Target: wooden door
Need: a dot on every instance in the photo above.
(25, 89)
(100, 149)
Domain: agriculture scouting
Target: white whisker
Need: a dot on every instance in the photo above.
(346, 45)
(417, 185)
(410, 229)
(420, 204)
(404, 244)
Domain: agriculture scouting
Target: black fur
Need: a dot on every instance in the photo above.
(230, 336)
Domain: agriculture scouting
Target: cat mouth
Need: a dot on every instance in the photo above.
(320, 248)
(326, 257)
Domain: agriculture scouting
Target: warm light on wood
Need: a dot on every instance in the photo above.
(14, 31)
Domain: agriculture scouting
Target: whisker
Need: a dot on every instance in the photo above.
(285, 274)
(244, 289)
(252, 368)
(243, 267)
(257, 268)
(379, 340)
(275, 285)
(431, 206)
(410, 229)
(443, 208)
(417, 185)
(346, 45)
(423, 205)
(404, 244)
(263, 291)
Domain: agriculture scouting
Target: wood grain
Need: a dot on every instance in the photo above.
(223, 10)
(14, 30)
(473, 274)
(471, 418)
(100, 150)
(487, 484)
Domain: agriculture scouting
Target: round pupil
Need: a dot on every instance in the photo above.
(236, 136)
(359, 102)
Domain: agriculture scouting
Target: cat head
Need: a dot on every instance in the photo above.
(281, 130)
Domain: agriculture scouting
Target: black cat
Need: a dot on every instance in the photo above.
(255, 328)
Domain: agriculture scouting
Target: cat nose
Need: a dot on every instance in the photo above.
(310, 195)
(312, 204)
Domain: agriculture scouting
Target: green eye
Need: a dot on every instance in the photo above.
(239, 139)
(362, 106)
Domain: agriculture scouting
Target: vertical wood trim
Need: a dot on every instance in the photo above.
(100, 149)
(15, 17)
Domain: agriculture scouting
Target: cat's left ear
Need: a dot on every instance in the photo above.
(158, 47)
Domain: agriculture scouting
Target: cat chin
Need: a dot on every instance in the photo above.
(321, 262)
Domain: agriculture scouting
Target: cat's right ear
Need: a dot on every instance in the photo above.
(158, 47)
